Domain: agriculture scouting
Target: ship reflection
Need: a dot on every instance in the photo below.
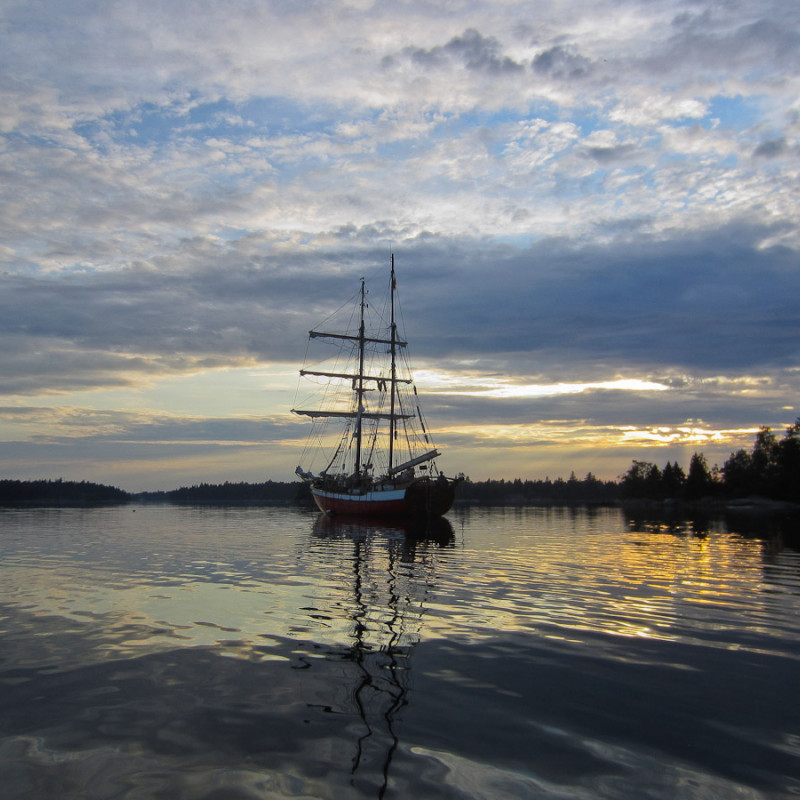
(392, 575)
(437, 530)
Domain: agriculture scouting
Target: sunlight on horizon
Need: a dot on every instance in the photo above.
(566, 433)
(446, 384)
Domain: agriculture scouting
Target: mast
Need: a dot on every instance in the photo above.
(393, 350)
(360, 381)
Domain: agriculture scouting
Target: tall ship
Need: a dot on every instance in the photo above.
(378, 458)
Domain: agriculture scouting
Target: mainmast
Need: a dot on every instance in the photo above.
(359, 382)
(393, 350)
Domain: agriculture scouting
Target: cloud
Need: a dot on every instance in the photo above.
(609, 155)
(562, 62)
(771, 148)
(61, 424)
(697, 302)
(474, 51)
(713, 41)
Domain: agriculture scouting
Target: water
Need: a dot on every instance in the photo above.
(264, 653)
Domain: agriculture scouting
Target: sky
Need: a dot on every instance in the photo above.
(593, 206)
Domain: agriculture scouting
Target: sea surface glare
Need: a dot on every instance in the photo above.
(188, 654)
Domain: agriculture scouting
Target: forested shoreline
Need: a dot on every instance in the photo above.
(770, 471)
(59, 494)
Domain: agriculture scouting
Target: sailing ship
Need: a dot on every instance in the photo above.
(381, 460)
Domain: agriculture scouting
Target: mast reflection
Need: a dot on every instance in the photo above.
(392, 574)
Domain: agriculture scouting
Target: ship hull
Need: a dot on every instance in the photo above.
(422, 498)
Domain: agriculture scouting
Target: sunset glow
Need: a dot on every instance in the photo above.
(504, 388)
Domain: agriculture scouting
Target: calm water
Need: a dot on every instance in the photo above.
(185, 653)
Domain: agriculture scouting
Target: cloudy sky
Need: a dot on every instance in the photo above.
(593, 206)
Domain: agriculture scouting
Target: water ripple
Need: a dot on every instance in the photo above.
(508, 653)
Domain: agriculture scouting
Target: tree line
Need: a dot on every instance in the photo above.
(590, 490)
(770, 469)
(268, 493)
(84, 494)
(59, 493)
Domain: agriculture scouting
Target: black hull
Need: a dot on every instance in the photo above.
(423, 498)
(430, 498)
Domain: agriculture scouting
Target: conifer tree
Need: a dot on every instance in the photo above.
(699, 482)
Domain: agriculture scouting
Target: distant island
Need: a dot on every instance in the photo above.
(71, 494)
(59, 494)
(268, 493)
(770, 471)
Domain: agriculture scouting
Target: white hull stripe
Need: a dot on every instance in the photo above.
(369, 497)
